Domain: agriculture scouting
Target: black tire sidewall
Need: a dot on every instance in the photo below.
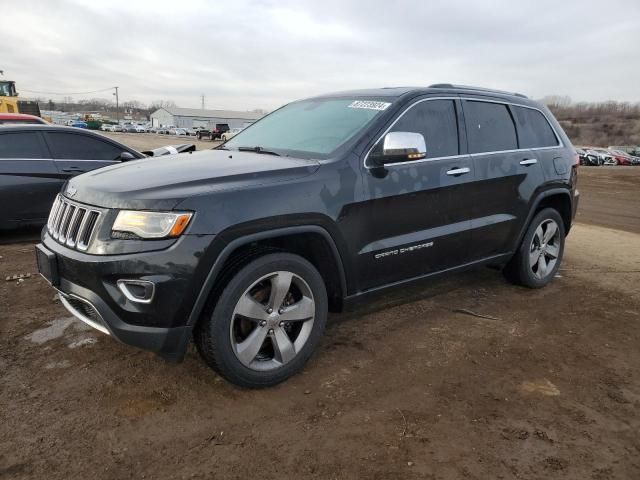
(216, 331)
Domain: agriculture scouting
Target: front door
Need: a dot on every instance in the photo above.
(414, 219)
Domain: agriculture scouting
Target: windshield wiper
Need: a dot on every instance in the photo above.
(258, 150)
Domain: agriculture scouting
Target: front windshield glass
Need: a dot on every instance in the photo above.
(316, 127)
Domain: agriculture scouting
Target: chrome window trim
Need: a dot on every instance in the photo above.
(503, 102)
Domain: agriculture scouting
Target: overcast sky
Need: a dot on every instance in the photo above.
(245, 54)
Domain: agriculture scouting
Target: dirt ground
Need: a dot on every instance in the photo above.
(545, 386)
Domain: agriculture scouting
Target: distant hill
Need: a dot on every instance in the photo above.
(598, 124)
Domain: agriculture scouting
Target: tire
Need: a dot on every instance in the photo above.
(535, 253)
(243, 341)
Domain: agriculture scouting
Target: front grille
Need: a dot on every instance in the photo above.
(72, 224)
(29, 107)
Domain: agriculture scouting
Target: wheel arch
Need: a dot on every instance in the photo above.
(312, 242)
(556, 198)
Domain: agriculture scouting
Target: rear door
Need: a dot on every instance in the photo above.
(29, 180)
(414, 219)
(507, 176)
(75, 152)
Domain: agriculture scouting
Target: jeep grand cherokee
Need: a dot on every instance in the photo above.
(246, 247)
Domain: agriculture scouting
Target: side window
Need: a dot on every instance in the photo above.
(22, 145)
(490, 127)
(534, 129)
(436, 120)
(70, 146)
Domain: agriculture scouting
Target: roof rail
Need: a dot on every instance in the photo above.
(479, 89)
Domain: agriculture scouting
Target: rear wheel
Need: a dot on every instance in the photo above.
(538, 259)
(267, 321)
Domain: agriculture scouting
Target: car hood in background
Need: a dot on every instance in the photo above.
(161, 183)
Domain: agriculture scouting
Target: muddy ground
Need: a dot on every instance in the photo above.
(412, 385)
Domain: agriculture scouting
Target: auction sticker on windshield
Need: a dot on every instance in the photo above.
(369, 105)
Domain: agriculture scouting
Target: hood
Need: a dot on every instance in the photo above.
(160, 183)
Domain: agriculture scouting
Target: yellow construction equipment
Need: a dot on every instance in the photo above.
(10, 102)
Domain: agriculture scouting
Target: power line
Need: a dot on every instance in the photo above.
(66, 93)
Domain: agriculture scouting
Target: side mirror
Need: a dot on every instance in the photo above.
(400, 147)
(125, 156)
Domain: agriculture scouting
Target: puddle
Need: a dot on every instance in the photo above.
(82, 341)
(61, 364)
(59, 327)
(55, 330)
(545, 387)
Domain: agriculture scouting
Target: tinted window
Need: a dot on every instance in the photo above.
(534, 129)
(71, 146)
(437, 122)
(21, 145)
(489, 127)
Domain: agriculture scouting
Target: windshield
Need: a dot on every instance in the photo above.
(317, 127)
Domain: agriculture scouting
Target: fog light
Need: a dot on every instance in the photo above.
(138, 291)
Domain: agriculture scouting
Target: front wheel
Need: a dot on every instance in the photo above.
(267, 321)
(538, 259)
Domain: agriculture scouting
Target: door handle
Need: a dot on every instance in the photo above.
(528, 161)
(458, 171)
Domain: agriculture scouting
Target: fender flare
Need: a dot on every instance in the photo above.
(212, 276)
(534, 208)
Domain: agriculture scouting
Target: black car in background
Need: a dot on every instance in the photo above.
(36, 160)
(213, 133)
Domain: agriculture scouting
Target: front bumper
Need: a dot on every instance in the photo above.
(89, 288)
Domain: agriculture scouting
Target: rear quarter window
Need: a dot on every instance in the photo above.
(534, 129)
(490, 127)
(72, 146)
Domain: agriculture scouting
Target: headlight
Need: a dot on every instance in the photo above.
(151, 224)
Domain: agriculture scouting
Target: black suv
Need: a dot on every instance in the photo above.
(213, 133)
(246, 247)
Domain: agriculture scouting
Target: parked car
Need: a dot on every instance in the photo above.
(78, 124)
(246, 247)
(20, 118)
(213, 133)
(178, 131)
(164, 130)
(105, 127)
(170, 150)
(604, 155)
(621, 158)
(587, 157)
(140, 129)
(117, 128)
(36, 160)
(230, 134)
(130, 128)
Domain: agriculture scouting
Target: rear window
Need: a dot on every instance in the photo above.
(534, 129)
(21, 145)
(490, 127)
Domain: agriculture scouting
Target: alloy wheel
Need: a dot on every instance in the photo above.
(545, 249)
(272, 321)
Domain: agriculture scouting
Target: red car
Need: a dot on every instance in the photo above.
(19, 118)
(621, 158)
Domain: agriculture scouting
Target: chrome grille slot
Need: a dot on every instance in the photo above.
(72, 224)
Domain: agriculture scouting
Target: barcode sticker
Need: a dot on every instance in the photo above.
(370, 105)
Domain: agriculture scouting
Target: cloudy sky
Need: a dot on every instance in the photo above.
(245, 54)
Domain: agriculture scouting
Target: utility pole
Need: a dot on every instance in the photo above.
(203, 101)
(117, 106)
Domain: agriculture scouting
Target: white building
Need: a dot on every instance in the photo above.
(195, 117)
